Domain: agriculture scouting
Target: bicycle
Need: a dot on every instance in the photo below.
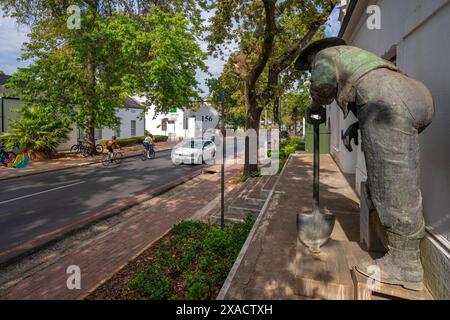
(85, 150)
(6, 157)
(150, 154)
(116, 158)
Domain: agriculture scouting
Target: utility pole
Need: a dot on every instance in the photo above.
(222, 196)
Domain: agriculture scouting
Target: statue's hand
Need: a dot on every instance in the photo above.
(316, 114)
(351, 134)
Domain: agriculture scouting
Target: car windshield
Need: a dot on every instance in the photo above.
(192, 144)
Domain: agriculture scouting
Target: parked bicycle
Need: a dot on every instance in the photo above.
(6, 157)
(149, 153)
(116, 158)
(84, 149)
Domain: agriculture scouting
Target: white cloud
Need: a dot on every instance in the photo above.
(12, 36)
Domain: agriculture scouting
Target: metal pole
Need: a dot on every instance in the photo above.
(222, 197)
(316, 167)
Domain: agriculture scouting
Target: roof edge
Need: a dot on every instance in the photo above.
(347, 17)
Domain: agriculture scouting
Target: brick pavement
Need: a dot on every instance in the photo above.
(108, 253)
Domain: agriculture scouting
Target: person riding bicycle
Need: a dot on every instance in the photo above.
(110, 145)
(148, 144)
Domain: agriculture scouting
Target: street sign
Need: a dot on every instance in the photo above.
(206, 118)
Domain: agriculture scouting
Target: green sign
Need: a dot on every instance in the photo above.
(173, 110)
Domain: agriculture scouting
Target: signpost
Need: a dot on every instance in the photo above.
(222, 195)
(207, 118)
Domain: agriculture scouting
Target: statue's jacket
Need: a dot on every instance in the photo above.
(337, 71)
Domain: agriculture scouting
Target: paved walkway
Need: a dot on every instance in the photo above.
(66, 161)
(108, 253)
(268, 268)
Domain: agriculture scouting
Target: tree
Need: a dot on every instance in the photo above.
(234, 104)
(294, 105)
(269, 36)
(122, 48)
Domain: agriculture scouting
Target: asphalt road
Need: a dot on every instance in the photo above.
(34, 205)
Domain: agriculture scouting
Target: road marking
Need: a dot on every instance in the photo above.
(38, 193)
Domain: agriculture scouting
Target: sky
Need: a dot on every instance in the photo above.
(12, 37)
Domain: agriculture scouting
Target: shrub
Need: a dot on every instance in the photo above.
(39, 130)
(136, 140)
(196, 255)
(289, 149)
(160, 138)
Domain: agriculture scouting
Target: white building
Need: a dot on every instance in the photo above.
(175, 124)
(414, 35)
(132, 124)
(131, 117)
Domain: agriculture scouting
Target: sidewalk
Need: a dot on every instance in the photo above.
(109, 252)
(66, 161)
(269, 267)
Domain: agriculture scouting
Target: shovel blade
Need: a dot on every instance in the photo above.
(314, 230)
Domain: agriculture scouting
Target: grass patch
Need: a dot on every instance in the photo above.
(239, 179)
(192, 263)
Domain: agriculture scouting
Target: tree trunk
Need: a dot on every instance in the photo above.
(89, 131)
(276, 111)
(252, 122)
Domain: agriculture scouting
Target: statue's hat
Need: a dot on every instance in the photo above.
(303, 64)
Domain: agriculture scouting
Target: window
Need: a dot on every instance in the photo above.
(164, 124)
(117, 132)
(133, 128)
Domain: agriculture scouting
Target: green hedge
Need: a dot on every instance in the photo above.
(137, 140)
(287, 147)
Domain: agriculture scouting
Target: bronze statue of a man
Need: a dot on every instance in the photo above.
(392, 110)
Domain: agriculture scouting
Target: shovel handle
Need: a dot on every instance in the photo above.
(316, 167)
(316, 115)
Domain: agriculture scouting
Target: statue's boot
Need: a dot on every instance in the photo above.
(400, 266)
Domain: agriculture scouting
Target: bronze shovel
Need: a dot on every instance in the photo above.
(315, 229)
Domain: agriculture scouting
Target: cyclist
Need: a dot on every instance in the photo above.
(110, 145)
(149, 144)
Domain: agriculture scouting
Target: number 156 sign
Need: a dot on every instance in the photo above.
(207, 118)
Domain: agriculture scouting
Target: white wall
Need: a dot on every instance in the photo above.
(174, 130)
(420, 30)
(10, 107)
(125, 115)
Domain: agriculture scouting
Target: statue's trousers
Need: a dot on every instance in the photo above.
(392, 110)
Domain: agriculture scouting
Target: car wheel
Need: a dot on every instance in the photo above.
(176, 162)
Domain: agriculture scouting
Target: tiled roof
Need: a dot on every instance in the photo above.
(3, 80)
(132, 104)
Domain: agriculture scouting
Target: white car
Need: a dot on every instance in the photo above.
(194, 151)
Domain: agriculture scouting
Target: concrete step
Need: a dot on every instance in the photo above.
(256, 191)
(243, 207)
(247, 187)
(229, 218)
(269, 183)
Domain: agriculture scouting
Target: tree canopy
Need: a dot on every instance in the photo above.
(268, 35)
(122, 48)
